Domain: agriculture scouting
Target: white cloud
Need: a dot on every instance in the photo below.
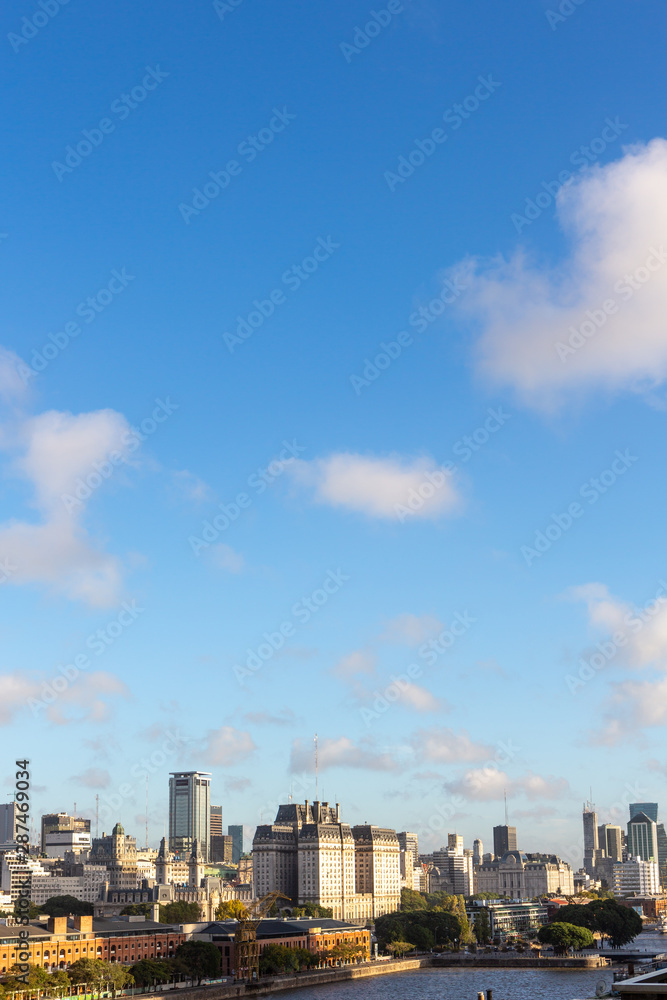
(379, 487)
(419, 698)
(226, 558)
(86, 699)
(642, 631)
(447, 746)
(615, 216)
(635, 705)
(355, 663)
(487, 784)
(341, 752)
(12, 386)
(412, 629)
(65, 459)
(285, 717)
(228, 746)
(191, 487)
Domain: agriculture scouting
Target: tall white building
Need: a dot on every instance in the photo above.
(190, 812)
(85, 887)
(18, 871)
(643, 837)
(311, 856)
(636, 876)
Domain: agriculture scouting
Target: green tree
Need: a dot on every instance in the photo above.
(64, 906)
(443, 927)
(413, 900)
(31, 910)
(137, 910)
(466, 935)
(93, 971)
(198, 960)
(563, 936)
(399, 948)
(621, 924)
(149, 971)
(312, 910)
(231, 909)
(486, 895)
(276, 959)
(180, 912)
(482, 926)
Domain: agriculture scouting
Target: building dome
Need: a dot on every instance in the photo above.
(514, 858)
(118, 831)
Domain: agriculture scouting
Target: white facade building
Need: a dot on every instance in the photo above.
(85, 887)
(636, 876)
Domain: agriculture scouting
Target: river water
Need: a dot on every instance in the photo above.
(463, 984)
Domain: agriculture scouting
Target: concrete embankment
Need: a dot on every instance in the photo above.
(319, 977)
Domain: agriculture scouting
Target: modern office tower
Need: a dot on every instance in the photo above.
(221, 849)
(236, 833)
(504, 840)
(62, 832)
(8, 817)
(409, 842)
(591, 842)
(643, 838)
(649, 809)
(190, 812)
(477, 851)
(610, 840)
(455, 843)
(455, 871)
(662, 852)
(216, 821)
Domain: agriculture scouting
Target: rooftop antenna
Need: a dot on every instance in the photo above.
(316, 771)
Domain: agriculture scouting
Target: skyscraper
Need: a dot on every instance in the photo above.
(649, 809)
(8, 817)
(610, 839)
(591, 842)
(477, 851)
(409, 842)
(236, 833)
(643, 837)
(216, 821)
(455, 843)
(190, 812)
(504, 840)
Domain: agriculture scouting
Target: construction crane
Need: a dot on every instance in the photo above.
(246, 947)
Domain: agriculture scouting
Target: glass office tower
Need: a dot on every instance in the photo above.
(190, 812)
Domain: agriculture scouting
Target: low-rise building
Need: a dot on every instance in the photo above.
(508, 919)
(525, 876)
(61, 941)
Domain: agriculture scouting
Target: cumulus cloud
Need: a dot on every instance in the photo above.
(635, 705)
(641, 631)
(605, 304)
(447, 746)
(355, 663)
(418, 698)
(226, 558)
(411, 630)
(379, 487)
(85, 699)
(61, 456)
(341, 752)
(228, 746)
(487, 784)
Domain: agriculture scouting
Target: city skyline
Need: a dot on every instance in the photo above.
(332, 404)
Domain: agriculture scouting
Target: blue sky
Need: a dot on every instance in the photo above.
(140, 283)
